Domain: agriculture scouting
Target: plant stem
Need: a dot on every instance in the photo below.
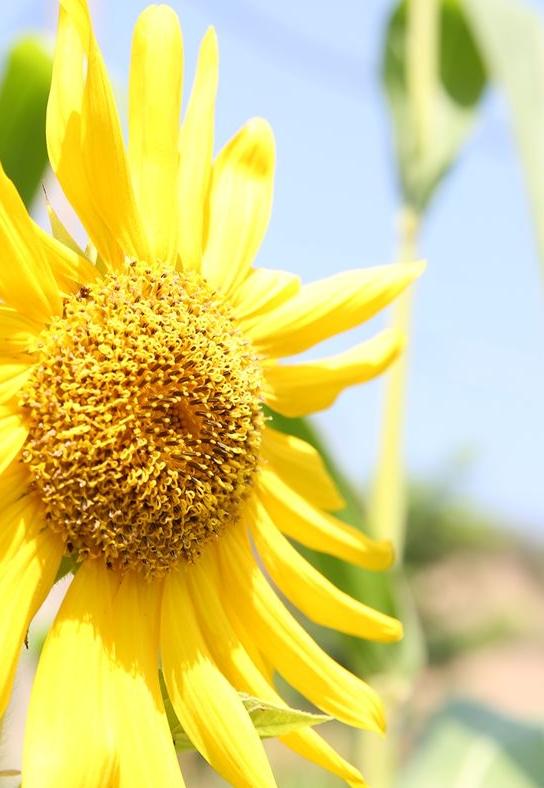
(387, 510)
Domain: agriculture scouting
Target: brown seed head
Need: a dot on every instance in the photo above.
(144, 420)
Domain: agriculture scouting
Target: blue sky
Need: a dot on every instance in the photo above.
(477, 364)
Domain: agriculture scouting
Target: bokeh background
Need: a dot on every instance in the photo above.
(466, 691)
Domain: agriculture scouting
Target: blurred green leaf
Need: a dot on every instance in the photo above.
(269, 720)
(461, 79)
(442, 523)
(467, 744)
(445, 646)
(23, 102)
(511, 38)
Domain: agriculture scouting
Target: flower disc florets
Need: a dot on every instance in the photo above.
(144, 420)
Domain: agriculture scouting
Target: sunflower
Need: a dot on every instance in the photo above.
(133, 439)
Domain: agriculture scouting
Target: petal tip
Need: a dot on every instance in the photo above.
(158, 14)
(253, 149)
(209, 47)
(377, 722)
(394, 632)
(210, 36)
(384, 553)
(417, 268)
(261, 133)
(395, 341)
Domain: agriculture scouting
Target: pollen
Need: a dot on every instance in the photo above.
(145, 420)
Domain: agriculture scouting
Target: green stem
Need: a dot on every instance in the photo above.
(387, 509)
(387, 519)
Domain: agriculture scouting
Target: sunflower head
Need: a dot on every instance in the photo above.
(144, 419)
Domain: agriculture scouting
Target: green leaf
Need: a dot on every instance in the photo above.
(468, 744)
(23, 101)
(511, 38)
(269, 720)
(457, 89)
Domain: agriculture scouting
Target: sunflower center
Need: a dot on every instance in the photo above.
(145, 420)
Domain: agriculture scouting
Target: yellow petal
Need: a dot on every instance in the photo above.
(300, 389)
(240, 664)
(208, 707)
(70, 268)
(155, 102)
(29, 558)
(13, 376)
(312, 593)
(60, 233)
(328, 307)
(292, 651)
(196, 149)
(85, 141)
(263, 289)
(215, 629)
(210, 599)
(26, 281)
(301, 466)
(105, 161)
(239, 205)
(296, 517)
(70, 730)
(15, 483)
(309, 744)
(64, 126)
(17, 333)
(146, 753)
(16, 519)
(13, 432)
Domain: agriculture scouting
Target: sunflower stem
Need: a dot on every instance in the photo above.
(387, 510)
(387, 518)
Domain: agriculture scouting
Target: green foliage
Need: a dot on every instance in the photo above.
(462, 71)
(442, 647)
(269, 720)
(461, 80)
(511, 37)
(467, 744)
(23, 101)
(440, 525)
